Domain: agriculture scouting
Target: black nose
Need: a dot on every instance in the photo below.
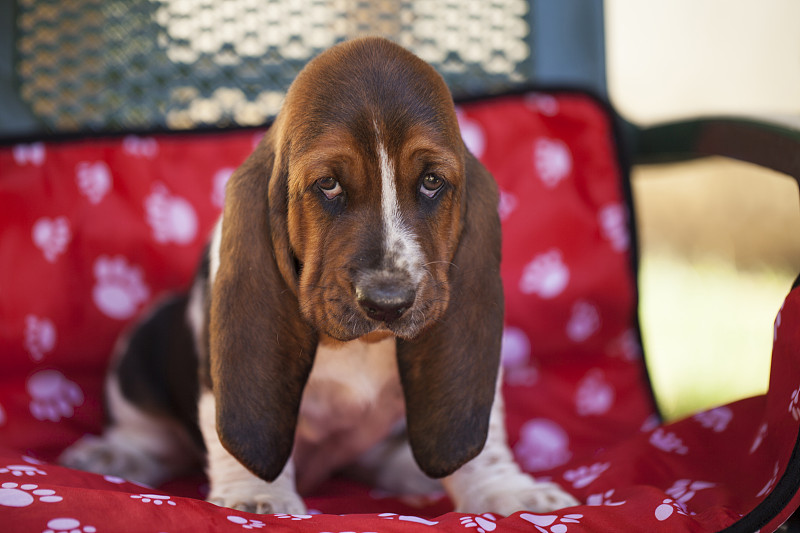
(385, 301)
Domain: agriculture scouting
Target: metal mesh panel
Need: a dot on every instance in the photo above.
(179, 64)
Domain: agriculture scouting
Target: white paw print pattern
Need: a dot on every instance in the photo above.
(603, 499)
(29, 154)
(515, 354)
(626, 346)
(506, 205)
(471, 133)
(482, 524)
(51, 236)
(668, 442)
(668, 507)
(294, 517)
(40, 336)
(546, 275)
(684, 490)
(545, 104)
(22, 470)
(551, 523)
(594, 395)
(53, 396)
(613, 220)
(155, 499)
(716, 419)
(16, 495)
(67, 525)
(542, 445)
(794, 405)
(407, 518)
(94, 180)
(584, 476)
(760, 436)
(171, 218)
(584, 321)
(145, 147)
(218, 184)
(246, 523)
(771, 483)
(552, 161)
(119, 288)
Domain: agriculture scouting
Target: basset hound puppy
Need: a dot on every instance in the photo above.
(348, 313)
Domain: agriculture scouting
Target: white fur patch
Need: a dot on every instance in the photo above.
(213, 253)
(401, 248)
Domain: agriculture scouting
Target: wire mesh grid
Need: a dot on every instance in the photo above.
(111, 65)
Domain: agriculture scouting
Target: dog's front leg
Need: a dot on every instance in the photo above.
(494, 482)
(232, 485)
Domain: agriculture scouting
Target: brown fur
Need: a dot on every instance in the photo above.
(288, 258)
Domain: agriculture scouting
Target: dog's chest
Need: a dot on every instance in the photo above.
(354, 391)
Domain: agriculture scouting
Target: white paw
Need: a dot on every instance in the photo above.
(51, 236)
(546, 275)
(40, 336)
(16, 495)
(68, 525)
(552, 160)
(519, 494)
(53, 396)
(98, 455)
(120, 288)
(265, 499)
(172, 218)
(94, 180)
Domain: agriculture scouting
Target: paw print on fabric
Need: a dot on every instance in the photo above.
(16, 495)
(760, 436)
(585, 475)
(482, 524)
(545, 104)
(406, 518)
(546, 275)
(626, 346)
(603, 499)
(552, 523)
(771, 483)
(294, 517)
(716, 419)
(667, 508)
(53, 396)
(172, 218)
(684, 490)
(145, 147)
(119, 288)
(246, 523)
(22, 470)
(472, 134)
(218, 184)
(51, 236)
(668, 442)
(506, 205)
(67, 525)
(155, 499)
(94, 180)
(542, 445)
(515, 354)
(552, 161)
(594, 395)
(40, 336)
(794, 405)
(613, 220)
(29, 154)
(583, 322)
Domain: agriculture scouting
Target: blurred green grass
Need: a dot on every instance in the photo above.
(708, 330)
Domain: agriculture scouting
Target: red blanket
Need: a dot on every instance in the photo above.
(95, 229)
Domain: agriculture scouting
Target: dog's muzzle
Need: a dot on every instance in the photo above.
(385, 296)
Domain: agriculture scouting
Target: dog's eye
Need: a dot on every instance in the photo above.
(329, 187)
(431, 185)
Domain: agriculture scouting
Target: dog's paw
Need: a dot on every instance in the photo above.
(262, 499)
(523, 494)
(101, 456)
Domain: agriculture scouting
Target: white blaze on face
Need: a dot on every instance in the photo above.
(401, 249)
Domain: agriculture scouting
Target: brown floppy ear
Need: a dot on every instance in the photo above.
(449, 372)
(260, 348)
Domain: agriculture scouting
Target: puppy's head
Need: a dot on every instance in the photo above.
(360, 211)
(374, 183)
